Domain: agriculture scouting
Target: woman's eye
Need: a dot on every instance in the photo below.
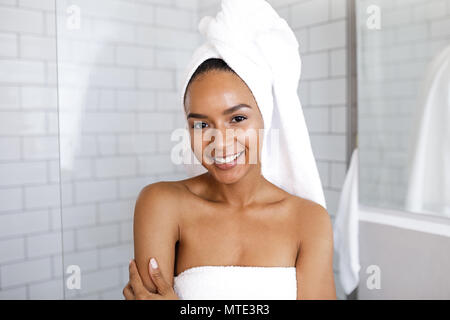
(199, 125)
(238, 119)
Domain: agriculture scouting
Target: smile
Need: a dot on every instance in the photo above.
(220, 160)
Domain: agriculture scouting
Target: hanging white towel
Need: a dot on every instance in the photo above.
(346, 229)
(429, 154)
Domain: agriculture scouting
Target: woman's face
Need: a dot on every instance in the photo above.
(225, 125)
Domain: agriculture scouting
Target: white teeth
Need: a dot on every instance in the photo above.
(228, 159)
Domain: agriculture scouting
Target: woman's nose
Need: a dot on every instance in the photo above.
(223, 140)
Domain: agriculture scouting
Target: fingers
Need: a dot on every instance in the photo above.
(135, 281)
(157, 277)
(128, 292)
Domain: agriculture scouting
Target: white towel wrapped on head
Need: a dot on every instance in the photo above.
(262, 49)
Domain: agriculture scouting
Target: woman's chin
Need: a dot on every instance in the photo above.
(228, 176)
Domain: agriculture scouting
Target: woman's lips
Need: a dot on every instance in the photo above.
(228, 162)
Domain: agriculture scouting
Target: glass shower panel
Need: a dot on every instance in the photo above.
(119, 65)
(403, 48)
(30, 224)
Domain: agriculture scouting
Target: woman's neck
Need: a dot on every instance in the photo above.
(241, 193)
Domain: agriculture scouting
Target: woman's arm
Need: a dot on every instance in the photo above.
(315, 278)
(156, 231)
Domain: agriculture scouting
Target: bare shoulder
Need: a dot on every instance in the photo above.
(314, 262)
(160, 201)
(165, 196)
(312, 220)
(159, 190)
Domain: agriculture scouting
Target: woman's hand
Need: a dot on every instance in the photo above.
(135, 289)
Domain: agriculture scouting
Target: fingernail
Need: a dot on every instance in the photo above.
(154, 263)
(131, 262)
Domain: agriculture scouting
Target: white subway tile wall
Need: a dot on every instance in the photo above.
(118, 80)
(30, 242)
(118, 103)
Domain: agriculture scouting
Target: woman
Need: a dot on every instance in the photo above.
(230, 232)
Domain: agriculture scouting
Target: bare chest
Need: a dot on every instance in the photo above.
(210, 235)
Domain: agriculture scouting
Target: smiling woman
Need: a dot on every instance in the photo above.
(221, 105)
(232, 232)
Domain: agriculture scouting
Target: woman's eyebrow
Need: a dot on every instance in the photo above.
(235, 108)
(196, 115)
(228, 111)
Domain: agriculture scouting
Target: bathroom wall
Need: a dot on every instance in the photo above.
(392, 67)
(118, 80)
(119, 76)
(412, 264)
(30, 238)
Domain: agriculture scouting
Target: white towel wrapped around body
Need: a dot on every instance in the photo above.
(262, 49)
(236, 283)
